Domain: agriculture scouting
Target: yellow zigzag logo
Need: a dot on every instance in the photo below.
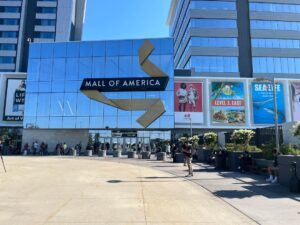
(154, 107)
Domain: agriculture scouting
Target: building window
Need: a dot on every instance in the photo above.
(212, 23)
(8, 34)
(211, 64)
(45, 22)
(270, 7)
(275, 43)
(212, 5)
(8, 47)
(10, 9)
(213, 42)
(274, 25)
(9, 21)
(46, 10)
(276, 65)
(50, 35)
(7, 60)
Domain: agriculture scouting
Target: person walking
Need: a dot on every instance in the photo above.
(26, 149)
(35, 148)
(188, 151)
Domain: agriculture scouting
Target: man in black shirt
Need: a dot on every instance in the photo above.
(273, 170)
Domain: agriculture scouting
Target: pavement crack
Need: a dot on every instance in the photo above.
(143, 197)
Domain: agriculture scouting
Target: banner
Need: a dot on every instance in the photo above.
(15, 99)
(295, 87)
(228, 103)
(263, 103)
(188, 103)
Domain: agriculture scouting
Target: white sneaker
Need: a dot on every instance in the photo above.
(274, 180)
(270, 179)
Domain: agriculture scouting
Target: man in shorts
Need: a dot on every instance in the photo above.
(189, 155)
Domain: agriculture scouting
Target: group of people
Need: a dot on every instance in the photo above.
(35, 149)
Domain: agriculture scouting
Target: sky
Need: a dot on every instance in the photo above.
(126, 19)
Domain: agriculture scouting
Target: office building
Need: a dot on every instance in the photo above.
(25, 21)
(237, 38)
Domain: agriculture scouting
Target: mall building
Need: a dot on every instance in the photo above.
(211, 75)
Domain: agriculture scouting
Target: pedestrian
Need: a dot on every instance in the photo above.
(174, 151)
(273, 170)
(184, 149)
(26, 149)
(65, 148)
(189, 155)
(168, 150)
(35, 147)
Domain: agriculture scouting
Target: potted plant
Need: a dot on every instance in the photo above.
(161, 150)
(210, 141)
(89, 147)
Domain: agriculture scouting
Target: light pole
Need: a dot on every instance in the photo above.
(191, 127)
(275, 109)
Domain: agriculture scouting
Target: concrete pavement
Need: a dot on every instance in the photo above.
(60, 190)
(249, 193)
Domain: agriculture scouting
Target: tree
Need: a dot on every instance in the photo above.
(297, 129)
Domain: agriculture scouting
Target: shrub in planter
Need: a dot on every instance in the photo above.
(210, 139)
(242, 137)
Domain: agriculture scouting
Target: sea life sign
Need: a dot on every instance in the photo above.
(263, 103)
(228, 103)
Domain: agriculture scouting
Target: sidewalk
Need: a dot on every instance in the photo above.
(249, 193)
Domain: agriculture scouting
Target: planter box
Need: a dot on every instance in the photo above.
(117, 154)
(146, 155)
(161, 156)
(233, 161)
(179, 158)
(102, 153)
(284, 165)
(131, 155)
(204, 155)
(89, 152)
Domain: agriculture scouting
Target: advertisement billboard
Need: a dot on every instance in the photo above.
(295, 88)
(188, 102)
(15, 99)
(263, 103)
(228, 103)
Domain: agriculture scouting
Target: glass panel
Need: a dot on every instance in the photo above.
(43, 107)
(85, 68)
(112, 48)
(99, 48)
(112, 67)
(57, 101)
(70, 104)
(83, 107)
(98, 67)
(46, 50)
(42, 122)
(60, 50)
(73, 49)
(56, 122)
(46, 70)
(72, 69)
(44, 86)
(96, 122)
(82, 122)
(69, 122)
(35, 50)
(126, 48)
(59, 69)
(86, 49)
(31, 105)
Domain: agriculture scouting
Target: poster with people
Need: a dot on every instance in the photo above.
(188, 102)
(15, 99)
(295, 89)
(263, 103)
(228, 103)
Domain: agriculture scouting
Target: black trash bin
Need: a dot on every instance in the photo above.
(294, 180)
(220, 159)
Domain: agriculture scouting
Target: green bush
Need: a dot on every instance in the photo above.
(297, 129)
(285, 149)
(238, 147)
(210, 139)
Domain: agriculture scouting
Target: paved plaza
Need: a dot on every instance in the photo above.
(81, 190)
(53, 190)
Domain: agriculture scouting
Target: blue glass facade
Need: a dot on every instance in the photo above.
(56, 71)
